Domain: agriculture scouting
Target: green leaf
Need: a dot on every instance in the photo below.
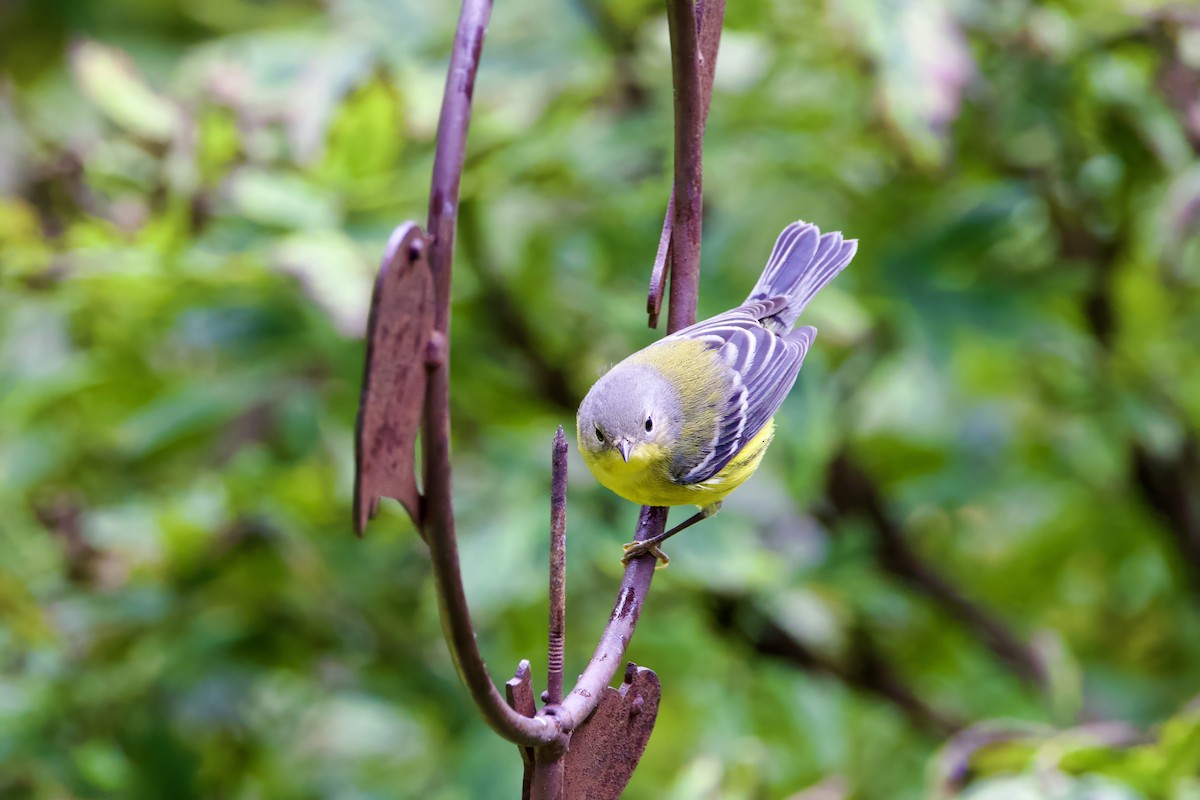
(280, 200)
(112, 82)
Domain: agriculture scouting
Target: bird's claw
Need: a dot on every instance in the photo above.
(638, 549)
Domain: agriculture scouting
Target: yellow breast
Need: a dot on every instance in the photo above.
(646, 480)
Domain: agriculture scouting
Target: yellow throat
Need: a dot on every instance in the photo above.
(646, 478)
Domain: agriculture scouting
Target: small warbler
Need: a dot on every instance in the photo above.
(687, 420)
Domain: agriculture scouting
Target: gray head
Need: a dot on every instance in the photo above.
(631, 405)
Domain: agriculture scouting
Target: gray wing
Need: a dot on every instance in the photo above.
(764, 366)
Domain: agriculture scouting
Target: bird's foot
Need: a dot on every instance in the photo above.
(639, 549)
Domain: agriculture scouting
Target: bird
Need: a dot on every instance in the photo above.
(687, 419)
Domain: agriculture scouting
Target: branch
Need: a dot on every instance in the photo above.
(452, 148)
(852, 491)
(864, 667)
(690, 109)
(1167, 485)
(710, 16)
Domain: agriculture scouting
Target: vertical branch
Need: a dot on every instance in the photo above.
(549, 772)
(558, 570)
(689, 143)
(710, 16)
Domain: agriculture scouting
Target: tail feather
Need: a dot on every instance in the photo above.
(801, 264)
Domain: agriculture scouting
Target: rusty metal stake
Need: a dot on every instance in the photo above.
(548, 761)
(558, 571)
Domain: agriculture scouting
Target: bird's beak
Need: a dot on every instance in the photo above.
(625, 446)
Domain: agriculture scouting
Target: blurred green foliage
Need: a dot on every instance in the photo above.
(193, 198)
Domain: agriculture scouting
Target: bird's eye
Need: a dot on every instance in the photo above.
(649, 424)
(599, 436)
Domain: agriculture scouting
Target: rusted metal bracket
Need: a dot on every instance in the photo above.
(606, 748)
(393, 389)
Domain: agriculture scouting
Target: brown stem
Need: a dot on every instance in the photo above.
(452, 149)
(549, 773)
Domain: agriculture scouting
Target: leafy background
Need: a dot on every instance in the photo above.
(971, 562)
